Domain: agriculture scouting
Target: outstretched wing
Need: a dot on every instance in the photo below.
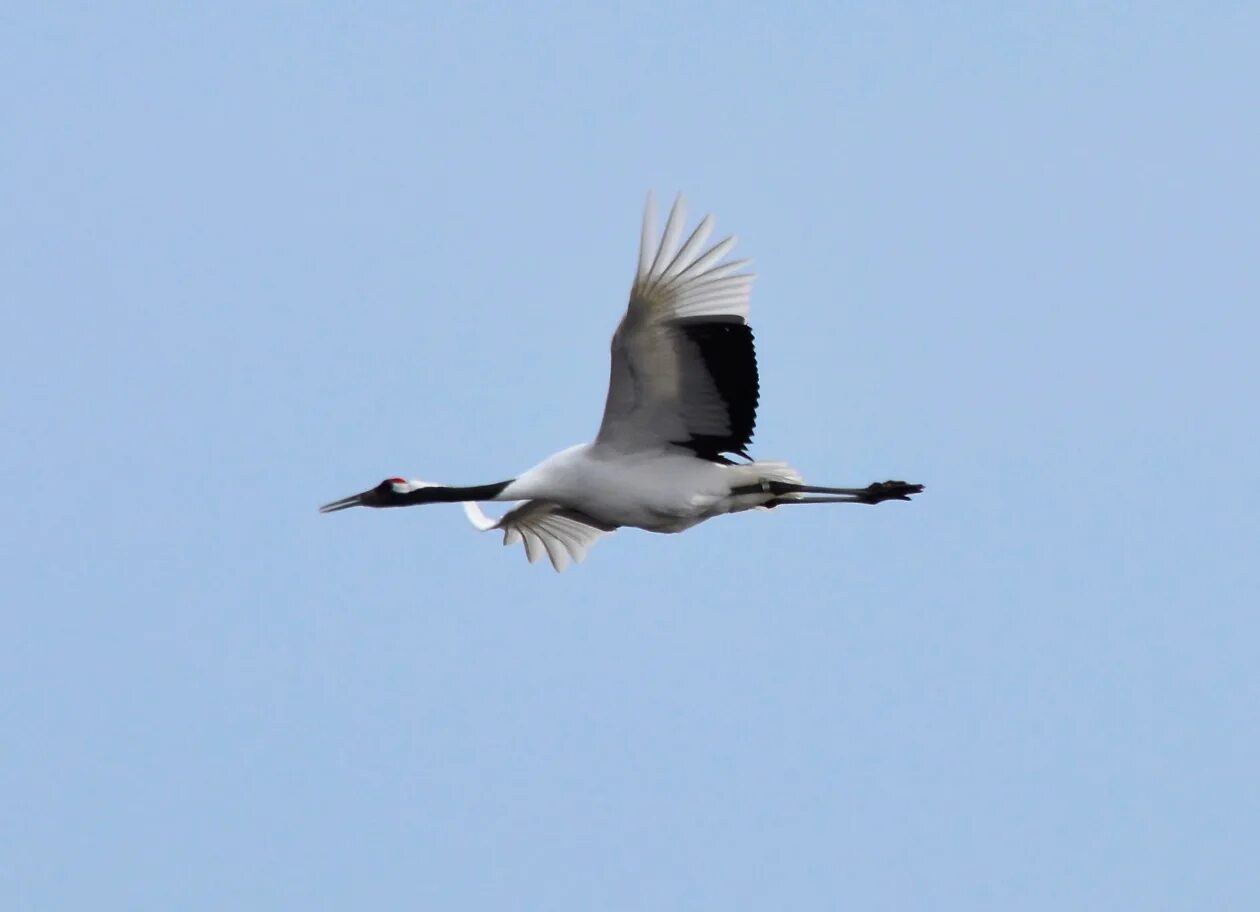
(684, 370)
(544, 527)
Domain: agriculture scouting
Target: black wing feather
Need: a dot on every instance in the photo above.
(730, 358)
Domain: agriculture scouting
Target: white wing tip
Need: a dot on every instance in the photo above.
(480, 521)
(687, 279)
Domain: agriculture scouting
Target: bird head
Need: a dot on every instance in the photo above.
(389, 493)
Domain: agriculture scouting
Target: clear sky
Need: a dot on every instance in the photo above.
(257, 257)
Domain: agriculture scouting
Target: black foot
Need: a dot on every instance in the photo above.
(888, 490)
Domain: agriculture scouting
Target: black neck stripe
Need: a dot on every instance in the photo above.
(441, 494)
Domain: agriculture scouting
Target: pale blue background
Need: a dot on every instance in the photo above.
(256, 257)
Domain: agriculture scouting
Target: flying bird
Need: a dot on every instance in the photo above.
(682, 401)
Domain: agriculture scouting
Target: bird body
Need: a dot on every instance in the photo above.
(682, 401)
(662, 490)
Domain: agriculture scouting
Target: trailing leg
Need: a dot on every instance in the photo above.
(875, 493)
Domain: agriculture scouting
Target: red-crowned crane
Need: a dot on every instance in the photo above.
(682, 399)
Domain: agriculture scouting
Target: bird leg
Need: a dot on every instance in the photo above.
(871, 494)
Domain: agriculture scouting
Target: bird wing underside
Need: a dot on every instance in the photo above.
(689, 382)
(684, 370)
(546, 527)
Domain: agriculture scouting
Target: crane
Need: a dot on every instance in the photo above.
(682, 401)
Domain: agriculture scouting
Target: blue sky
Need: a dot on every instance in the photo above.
(255, 259)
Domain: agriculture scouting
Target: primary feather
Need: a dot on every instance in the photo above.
(561, 533)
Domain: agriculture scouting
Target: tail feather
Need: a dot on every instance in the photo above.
(753, 474)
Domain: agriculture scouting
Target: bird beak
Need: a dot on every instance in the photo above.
(354, 500)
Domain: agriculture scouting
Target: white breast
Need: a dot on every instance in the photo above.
(665, 490)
